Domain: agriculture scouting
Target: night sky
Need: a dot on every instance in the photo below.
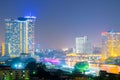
(60, 21)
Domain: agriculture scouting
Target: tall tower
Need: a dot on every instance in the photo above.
(110, 44)
(80, 41)
(83, 46)
(19, 37)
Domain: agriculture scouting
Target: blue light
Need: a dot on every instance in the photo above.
(30, 17)
(18, 66)
(15, 65)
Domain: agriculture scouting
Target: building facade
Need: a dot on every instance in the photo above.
(83, 46)
(3, 49)
(10, 74)
(110, 44)
(19, 37)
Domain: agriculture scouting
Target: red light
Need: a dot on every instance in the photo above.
(103, 33)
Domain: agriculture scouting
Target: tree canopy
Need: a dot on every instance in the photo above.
(81, 66)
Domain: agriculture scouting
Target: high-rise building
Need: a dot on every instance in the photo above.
(3, 49)
(19, 37)
(83, 46)
(110, 44)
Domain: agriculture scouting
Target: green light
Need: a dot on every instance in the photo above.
(23, 75)
(26, 78)
(5, 77)
(11, 73)
(23, 71)
(81, 66)
(34, 72)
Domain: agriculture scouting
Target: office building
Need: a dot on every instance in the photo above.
(83, 46)
(19, 37)
(110, 44)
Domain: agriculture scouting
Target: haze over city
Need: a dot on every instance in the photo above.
(59, 39)
(59, 22)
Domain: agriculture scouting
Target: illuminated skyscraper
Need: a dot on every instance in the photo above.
(110, 44)
(3, 49)
(19, 37)
(83, 46)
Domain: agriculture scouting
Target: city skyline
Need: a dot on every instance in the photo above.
(59, 22)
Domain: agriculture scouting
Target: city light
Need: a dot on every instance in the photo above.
(65, 41)
(65, 49)
(18, 66)
(53, 61)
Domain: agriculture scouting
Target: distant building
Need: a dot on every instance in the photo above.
(111, 44)
(68, 50)
(3, 49)
(37, 48)
(6, 73)
(83, 46)
(96, 50)
(19, 37)
(73, 58)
